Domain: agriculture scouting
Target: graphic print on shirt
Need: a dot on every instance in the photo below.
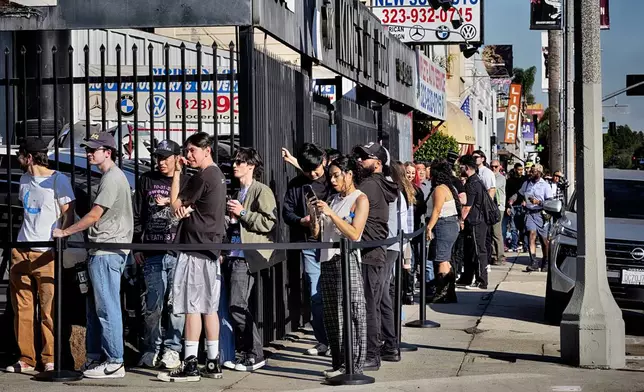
(162, 223)
(30, 210)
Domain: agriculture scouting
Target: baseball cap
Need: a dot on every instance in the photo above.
(99, 140)
(33, 145)
(167, 148)
(372, 151)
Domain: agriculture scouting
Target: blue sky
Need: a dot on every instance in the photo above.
(508, 22)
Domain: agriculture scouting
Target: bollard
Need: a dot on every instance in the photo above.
(422, 321)
(58, 375)
(402, 346)
(349, 378)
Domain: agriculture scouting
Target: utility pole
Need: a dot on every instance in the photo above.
(554, 97)
(569, 114)
(592, 328)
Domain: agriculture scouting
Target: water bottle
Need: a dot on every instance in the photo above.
(233, 218)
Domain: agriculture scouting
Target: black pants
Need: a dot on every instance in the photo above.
(388, 322)
(374, 280)
(458, 252)
(476, 256)
(247, 338)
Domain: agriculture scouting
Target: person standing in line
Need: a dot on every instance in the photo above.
(423, 177)
(380, 192)
(498, 247)
(344, 217)
(154, 223)
(559, 185)
(109, 221)
(196, 287)
(487, 177)
(312, 163)
(476, 230)
(48, 201)
(254, 218)
(515, 215)
(418, 211)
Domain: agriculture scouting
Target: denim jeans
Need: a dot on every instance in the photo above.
(104, 320)
(158, 271)
(311, 259)
(247, 337)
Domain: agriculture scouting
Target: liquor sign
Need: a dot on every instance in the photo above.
(417, 22)
(158, 105)
(432, 79)
(513, 114)
(545, 14)
(604, 15)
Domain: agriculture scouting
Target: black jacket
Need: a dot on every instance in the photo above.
(380, 193)
(294, 208)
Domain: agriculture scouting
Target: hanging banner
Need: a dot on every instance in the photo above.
(432, 79)
(527, 131)
(604, 15)
(512, 115)
(498, 60)
(545, 14)
(544, 61)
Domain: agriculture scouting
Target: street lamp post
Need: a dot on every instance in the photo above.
(592, 328)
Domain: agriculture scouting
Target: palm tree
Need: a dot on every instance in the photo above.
(526, 78)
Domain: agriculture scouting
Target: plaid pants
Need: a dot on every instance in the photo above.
(332, 296)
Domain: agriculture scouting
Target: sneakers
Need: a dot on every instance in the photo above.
(319, 349)
(19, 367)
(239, 358)
(170, 359)
(106, 370)
(212, 369)
(476, 286)
(49, 367)
(149, 360)
(89, 364)
(187, 372)
(330, 373)
(250, 363)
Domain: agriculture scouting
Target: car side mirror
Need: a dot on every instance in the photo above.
(553, 207)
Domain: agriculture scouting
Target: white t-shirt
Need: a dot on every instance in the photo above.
(487, 176)
(41, 215)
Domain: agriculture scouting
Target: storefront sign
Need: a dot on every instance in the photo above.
(527, 131)
(404, 73)
(431, 97)
(513, 114)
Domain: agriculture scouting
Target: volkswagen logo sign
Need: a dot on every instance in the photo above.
(637, 254)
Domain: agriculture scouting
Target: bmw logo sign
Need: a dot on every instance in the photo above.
(442, 32)
(126, 105)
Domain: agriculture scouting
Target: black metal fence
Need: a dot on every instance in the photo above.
(357, 124)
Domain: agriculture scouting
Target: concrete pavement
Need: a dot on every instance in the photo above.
(493, 340)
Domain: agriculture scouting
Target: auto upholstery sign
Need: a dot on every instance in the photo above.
(513, 114)
(417, 22)
(432, 79)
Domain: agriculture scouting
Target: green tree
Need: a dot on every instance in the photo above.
(621, 145)
(526, 78)
(436, 147)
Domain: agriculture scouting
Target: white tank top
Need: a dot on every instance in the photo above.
(449, 208)
(330, 233)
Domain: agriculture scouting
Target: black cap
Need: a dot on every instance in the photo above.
(100, 140)
(33, 145)
(167, 148)
(373, 151)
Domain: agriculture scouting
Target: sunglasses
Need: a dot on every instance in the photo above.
(495, 166)
(476, 156)
(93, 150)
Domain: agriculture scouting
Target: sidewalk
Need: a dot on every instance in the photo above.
(493, 340)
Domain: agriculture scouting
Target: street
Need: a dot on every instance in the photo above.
(491, 340)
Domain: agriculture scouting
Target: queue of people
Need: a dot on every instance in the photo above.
(362, 196)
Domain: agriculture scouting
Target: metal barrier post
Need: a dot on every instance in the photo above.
(58, 375)
(422, 321)
(402, 346)
(349, 378)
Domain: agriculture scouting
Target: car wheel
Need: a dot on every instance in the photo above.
(556, 303)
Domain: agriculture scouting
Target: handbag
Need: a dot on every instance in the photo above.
(71, 256)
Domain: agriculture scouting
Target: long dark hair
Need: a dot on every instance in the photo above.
(441, 174)
(347, 163)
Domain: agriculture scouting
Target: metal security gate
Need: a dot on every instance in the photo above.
(323, 126)
(357, 124)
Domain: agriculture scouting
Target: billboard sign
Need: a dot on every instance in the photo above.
(431, 98)
(513, 114)
(527, 131)
(415, 21)
(498, 60)
(544, 61)
(545, 14)
(153, 101)
(604, 15)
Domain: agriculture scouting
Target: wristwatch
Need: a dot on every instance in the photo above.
(242, 213)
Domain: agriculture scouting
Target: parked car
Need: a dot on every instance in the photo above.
(624, 222)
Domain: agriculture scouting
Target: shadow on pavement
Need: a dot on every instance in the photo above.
(502, 356)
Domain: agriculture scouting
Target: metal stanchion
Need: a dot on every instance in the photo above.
(58, 375)
(402, 346)
(349, 378)
(422, 321)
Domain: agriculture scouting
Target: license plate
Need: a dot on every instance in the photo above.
(633, 277)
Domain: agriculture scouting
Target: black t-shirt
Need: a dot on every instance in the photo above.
(154, 223)
(458, 184)
(475, 191)
(206, 193)
(380, 193)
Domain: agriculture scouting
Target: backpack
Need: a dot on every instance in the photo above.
(490, 209)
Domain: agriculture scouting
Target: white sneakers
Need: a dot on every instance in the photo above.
(170, 359)
(105, 370)
(19, 367)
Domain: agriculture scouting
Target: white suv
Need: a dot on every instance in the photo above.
(624, 220)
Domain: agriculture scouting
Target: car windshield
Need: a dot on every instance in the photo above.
(622, 199)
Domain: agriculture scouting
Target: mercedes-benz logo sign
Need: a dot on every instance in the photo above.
(417, 33)
(637, 253)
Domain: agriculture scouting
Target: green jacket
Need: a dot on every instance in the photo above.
(259, 225)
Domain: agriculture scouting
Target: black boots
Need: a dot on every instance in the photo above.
(445, 289)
